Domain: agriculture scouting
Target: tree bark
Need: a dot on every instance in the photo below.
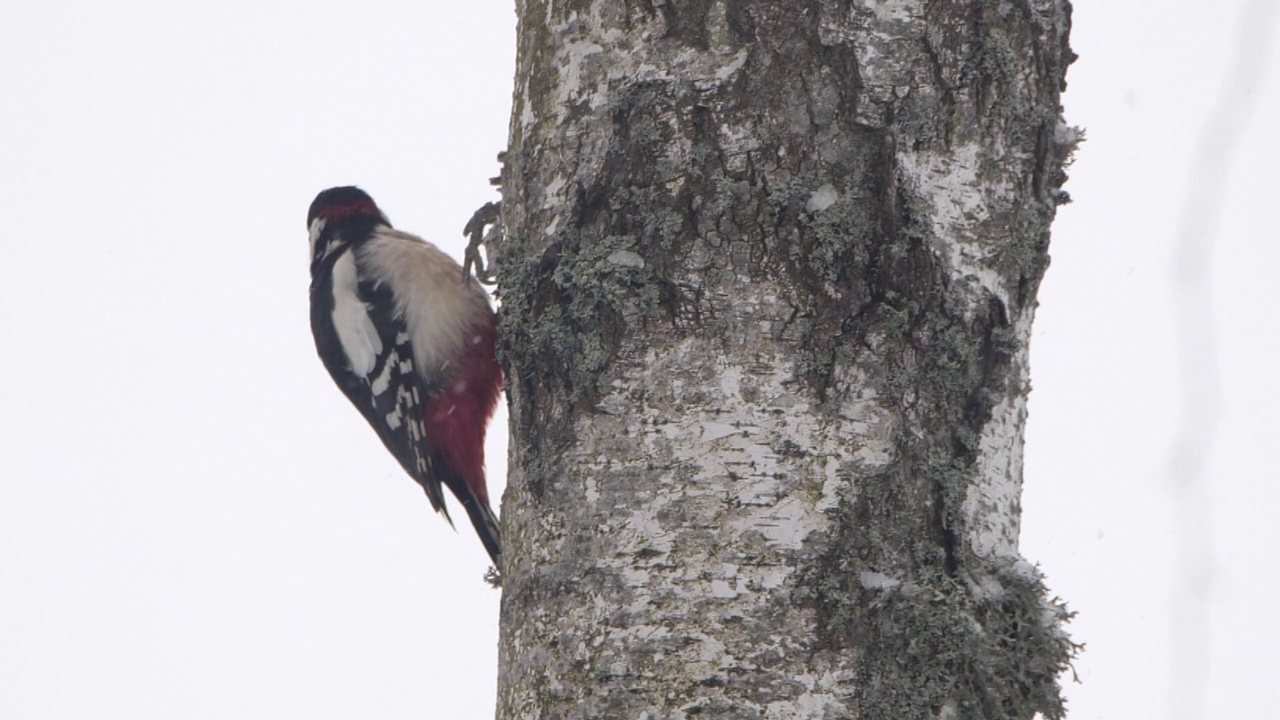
(768, 282)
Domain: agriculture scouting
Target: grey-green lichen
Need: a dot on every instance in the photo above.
(987, 643)
(575, 335)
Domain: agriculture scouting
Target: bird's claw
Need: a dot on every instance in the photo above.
(487, 215)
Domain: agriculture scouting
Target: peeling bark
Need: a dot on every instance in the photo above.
(768, 282)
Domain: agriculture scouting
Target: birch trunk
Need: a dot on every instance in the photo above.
(768, 285)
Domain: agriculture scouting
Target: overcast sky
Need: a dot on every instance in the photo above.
(194, 523)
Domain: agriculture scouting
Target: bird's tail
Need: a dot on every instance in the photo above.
(482, 518)
(487, 527)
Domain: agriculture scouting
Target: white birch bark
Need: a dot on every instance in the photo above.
(768, 283)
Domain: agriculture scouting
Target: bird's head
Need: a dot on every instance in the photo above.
(339, 203)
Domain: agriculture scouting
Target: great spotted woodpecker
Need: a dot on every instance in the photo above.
(409, 339)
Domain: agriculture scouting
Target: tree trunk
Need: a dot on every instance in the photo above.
(768, 284)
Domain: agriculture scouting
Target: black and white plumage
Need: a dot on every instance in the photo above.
(410, 342)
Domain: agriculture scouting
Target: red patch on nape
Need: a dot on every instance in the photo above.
(456, 418)
(338, 212)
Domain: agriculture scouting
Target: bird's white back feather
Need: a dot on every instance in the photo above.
(437, 307)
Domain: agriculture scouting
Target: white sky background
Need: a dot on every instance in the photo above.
(193, 521)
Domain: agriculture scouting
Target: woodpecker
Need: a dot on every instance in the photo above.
(409, 340)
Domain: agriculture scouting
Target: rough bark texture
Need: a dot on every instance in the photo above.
(768, 284)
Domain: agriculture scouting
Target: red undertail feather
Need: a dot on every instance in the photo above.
(456, 417)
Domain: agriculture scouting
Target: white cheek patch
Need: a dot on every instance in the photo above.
(317, 227)
(356, 331)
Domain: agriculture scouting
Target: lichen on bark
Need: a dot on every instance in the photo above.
(768, 281)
